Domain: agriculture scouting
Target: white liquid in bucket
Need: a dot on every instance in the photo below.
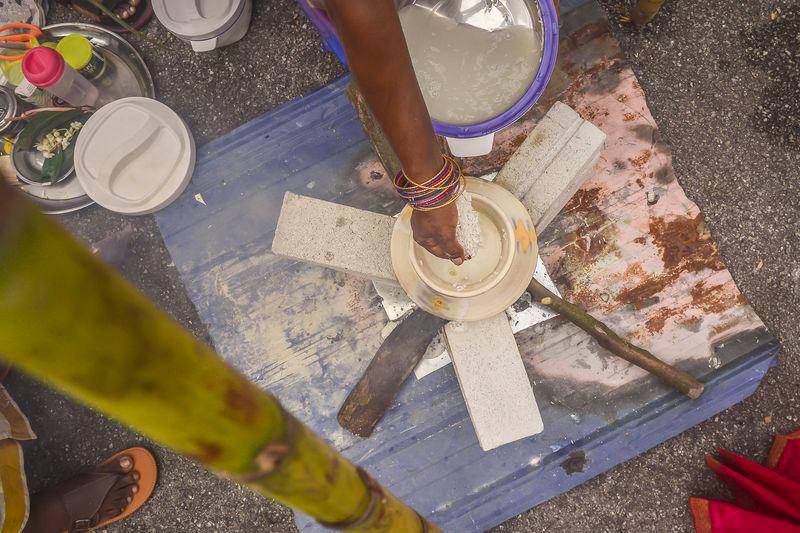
(467, 74)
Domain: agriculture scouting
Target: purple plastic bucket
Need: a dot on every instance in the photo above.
(549, 52)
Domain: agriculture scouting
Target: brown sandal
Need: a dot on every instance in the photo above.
(83, 511)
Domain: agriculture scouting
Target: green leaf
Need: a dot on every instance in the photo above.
(42, 124)
(51, 170)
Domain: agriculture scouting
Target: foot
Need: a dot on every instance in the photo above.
(49, 515)
(127, 9)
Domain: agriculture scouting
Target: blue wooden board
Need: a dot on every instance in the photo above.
(306, 334)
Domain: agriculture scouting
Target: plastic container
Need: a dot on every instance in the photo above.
(134, 156)
(205, 24)
(466, 140)
(79, 53)
(45, 68)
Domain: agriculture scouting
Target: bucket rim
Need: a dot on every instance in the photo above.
(480, 129)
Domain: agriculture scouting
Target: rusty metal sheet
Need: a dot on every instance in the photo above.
(649, 268)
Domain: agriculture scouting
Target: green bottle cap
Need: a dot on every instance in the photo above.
(76, 50)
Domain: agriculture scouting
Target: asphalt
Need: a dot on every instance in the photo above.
(722, 81)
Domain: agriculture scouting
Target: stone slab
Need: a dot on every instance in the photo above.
(552, 162)
(335, 236)
(565, 174)
(493, 380)
(539, 149)
(522, 315)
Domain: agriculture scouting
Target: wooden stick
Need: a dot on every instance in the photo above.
(675, 377)
(374, 132)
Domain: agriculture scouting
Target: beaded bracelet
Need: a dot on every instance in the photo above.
(442, 189)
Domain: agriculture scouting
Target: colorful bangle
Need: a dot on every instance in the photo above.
(404, 183)
(443, 188)
(452, 197)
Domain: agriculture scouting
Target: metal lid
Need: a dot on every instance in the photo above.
(134, 156)
(198, 19)
(8, 107)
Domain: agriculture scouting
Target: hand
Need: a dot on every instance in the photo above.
(436, 232)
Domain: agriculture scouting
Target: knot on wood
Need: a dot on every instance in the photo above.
(271, 456)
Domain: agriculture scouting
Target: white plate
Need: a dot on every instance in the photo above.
(483, 286)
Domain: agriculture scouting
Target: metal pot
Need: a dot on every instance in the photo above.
(10, 107)
(28, 166)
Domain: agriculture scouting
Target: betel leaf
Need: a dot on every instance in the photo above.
(41, 125)
(52, 168)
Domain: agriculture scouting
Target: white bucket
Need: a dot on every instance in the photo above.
(205, 24)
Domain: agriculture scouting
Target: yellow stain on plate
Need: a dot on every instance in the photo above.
(439, 303)
(525, 237)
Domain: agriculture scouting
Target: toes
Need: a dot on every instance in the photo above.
(112, 513)
(125, 487)
(120, 503)
(127, 480)
(129, 491)
(123, 465)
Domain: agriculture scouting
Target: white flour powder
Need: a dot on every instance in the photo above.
(468, 231)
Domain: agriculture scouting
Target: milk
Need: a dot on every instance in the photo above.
(467, 74)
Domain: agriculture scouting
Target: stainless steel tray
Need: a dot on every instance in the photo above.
(131, 78)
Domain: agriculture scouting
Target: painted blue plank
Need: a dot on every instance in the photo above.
(306, 333)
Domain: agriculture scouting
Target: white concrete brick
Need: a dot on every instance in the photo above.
(539, 149)
(335, 236)
(565, 174)
(493, 381)
(552, 163)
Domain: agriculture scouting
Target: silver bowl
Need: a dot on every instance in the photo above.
(28, 166)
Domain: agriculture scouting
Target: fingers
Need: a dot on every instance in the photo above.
(436, 232)
(434, 248)
(450, 249)
(451, 246)
(455, 252)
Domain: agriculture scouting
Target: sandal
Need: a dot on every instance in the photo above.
(84, 496)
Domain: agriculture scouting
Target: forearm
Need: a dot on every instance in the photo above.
(376, 51)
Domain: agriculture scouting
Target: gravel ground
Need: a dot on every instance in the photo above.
(723, 83)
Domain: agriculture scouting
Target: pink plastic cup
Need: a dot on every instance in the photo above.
(45, 68)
